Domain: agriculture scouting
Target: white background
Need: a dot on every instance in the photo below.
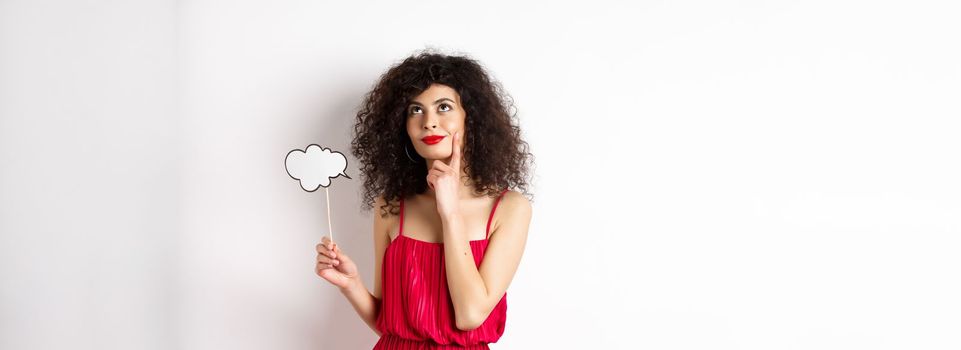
(724, 175)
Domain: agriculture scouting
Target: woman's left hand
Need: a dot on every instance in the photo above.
(445, 180)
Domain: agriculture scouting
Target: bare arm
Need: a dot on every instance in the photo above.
(364, 303)
(475, 292)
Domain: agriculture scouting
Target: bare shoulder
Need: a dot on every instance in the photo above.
(512, 217)
(516, 200)
(382, 223)
(379, 202)
(514, 206)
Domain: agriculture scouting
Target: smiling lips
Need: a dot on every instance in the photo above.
(432, 140)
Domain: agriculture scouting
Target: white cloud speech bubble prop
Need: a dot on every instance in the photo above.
(313, 168)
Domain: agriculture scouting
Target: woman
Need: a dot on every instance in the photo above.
(439, 154)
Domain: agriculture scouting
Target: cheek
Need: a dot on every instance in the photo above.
(453, 125)
(411, 130)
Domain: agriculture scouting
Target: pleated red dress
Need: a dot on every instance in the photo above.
(416, 311)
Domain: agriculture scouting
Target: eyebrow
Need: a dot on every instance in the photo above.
(435, 102)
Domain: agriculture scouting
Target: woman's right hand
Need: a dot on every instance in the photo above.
(335, 266)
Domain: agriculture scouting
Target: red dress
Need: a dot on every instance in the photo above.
(416, 311)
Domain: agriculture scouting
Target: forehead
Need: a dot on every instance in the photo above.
(435, 92)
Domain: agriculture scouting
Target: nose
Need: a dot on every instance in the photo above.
(430, 121)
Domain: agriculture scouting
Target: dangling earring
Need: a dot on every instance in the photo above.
(408, 155)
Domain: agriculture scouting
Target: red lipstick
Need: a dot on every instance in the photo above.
(432, 140)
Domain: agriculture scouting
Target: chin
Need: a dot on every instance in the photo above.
(435, 156)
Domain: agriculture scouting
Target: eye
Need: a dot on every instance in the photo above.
(448, 107)
(413, 109)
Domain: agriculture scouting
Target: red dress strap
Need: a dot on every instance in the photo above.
(491, 217)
